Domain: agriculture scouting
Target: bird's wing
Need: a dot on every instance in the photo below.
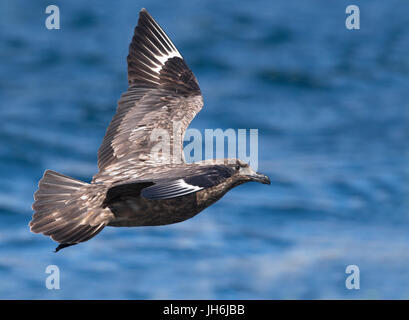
(173, 184)
(163, 93)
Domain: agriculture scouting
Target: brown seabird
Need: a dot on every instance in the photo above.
(133, 187)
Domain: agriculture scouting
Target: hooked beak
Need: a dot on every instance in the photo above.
(258, 177)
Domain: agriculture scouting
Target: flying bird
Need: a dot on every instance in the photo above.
(134, 187)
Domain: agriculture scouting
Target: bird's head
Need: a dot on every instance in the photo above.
(244, 173)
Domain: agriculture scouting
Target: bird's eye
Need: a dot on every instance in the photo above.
(237, 167)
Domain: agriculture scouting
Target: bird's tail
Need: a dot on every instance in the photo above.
(67, 210)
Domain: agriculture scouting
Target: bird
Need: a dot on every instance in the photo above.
(134, 186)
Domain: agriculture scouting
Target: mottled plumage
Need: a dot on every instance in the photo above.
(135, 187)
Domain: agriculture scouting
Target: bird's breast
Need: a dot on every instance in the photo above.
(131, 212)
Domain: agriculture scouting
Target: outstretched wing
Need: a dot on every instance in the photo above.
(169, 185)
(163, 94)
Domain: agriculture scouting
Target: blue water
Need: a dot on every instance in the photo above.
(331, 106)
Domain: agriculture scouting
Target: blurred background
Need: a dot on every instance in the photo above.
(331, 106)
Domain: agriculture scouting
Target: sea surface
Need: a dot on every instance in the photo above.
(331, 108)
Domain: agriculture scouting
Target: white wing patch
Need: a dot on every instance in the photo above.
(163, 60)
(169, 190)
(184, 185)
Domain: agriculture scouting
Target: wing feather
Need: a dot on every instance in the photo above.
(167, 185)
(162, 90)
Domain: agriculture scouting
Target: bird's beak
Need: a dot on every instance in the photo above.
(258, 177)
